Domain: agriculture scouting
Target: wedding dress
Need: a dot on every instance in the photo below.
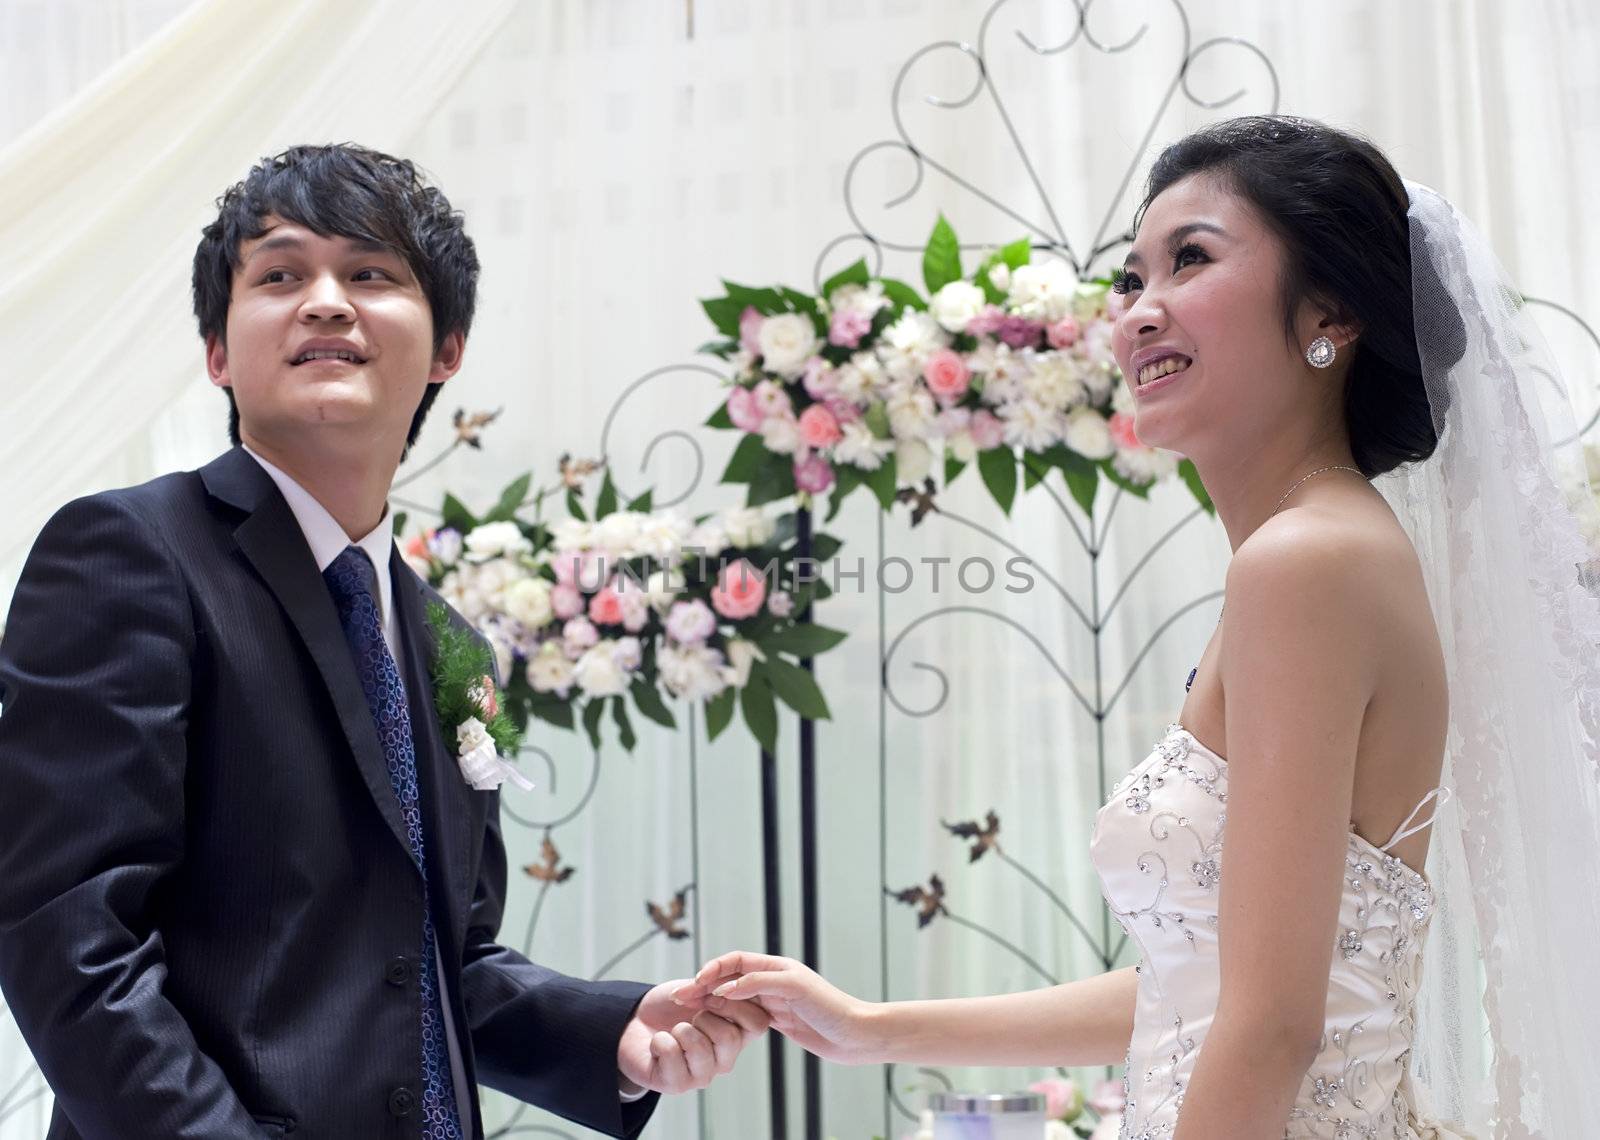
(1157, 846)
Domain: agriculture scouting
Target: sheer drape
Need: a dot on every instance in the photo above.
(611, 168)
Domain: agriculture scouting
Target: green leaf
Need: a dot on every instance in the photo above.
(606, 504)
(764, 301)
(998, 466)
(456, 514)
(774, 480)
(552, 709)
(1191, 476)
(1017, 253)
(1034, 469)
(855, 274)
(722, 346)
(902, 295)
(510, 499)
(592, 712)
(574, 506)
(884, 481)
(1142, 490)
(647, 699)
(941, 261)
(399, 524)
(720, 417)
(719, 712)
(824, 546)
(746, 459)
(643, 502)
(797, 688)
(846, 479)
(760, 714)
(803, 640)
(876, 418)
(619, 713)
(724, 313)
(952, 468)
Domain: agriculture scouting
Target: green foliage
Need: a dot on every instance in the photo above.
(998, 466)
(462, 663)
(941, 260)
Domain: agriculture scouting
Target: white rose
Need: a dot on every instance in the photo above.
(661, 536)
(748, 526)
(598, 672)
(618, 533)
(445, 545)
(1088, 435)
(470, 733)
(781, 434)
(1000, 276)
(913, 460)
(492, 578)
(1041, 291)
(787, 342)
(1144, 464)
(1088, 303)
(916, 333)
(963, 447)
(956, 304)
(663, 587)
(629, 654)
(495, 538)
(571, 534)
(691, 671)
(549, 670)
(528, 600)
(742, 654)
(709, 539)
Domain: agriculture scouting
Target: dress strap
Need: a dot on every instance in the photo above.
(1405, 829)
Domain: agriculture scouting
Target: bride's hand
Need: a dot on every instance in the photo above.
(803, 1006)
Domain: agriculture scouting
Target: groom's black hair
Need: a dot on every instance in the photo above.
(342, 190)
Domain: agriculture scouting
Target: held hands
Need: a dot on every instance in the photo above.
(800, 1003)
(674, 1046)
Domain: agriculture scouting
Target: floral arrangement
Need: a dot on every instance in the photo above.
(1009, 369)
(617, 604)
(468, 705)
(1065, 1104)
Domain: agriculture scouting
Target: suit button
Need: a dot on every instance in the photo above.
(397, 972)
(401, 1102)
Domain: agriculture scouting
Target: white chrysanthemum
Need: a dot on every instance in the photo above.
(1144, 464)
(1002, 369)
(1096, 344)
(1031, 425)
(444, 546)
(1088, 435)
(497, 538)
(1053, 381)
(661, 536)
(916, 334)
(864, 299)
(1041, 291)
(708, 540)
(912, 411)
(663, 587)
(1122, 399)
(528, 601)
(852, 383)
(781, 434)
(860, 448)
(787, 341)
(748, 526)
(913, 460)
(549, 670)
(899, 366)
(1088, 302)
(956, 304)
(599, 673)
(571, 534)
(694, 672)
(618, 534)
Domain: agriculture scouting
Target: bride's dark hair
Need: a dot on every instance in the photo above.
(1339, 209)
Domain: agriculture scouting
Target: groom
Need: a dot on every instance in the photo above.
(245, 890)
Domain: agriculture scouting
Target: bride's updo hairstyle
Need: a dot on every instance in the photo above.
(1339, 210)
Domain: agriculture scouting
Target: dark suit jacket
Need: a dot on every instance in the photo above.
(209, 916)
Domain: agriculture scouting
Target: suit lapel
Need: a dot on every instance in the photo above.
(271, 540)
(454, 814)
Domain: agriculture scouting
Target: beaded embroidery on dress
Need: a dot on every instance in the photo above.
(1157, 846)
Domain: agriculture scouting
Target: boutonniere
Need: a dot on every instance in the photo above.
(469, 708)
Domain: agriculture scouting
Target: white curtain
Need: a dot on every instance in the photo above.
(614, 159)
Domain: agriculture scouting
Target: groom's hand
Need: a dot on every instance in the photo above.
(673, 1047)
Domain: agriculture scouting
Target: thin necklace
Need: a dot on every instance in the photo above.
(1331, 467)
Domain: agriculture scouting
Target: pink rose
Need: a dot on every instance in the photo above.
(482, 695)
(743, 411)
(848, 327)
(1060, 1096)
(987, 321)
(417, 546)
(579, 634)
(1108, 1097)
(819, 379)
(987, 429)
(1063, 333)
(813, 474)
(566, 600)
(750, 323)
(1122, 433)
(739, 591)
(1019, 332)
(605, 608)
(818, 428)
(947, 375)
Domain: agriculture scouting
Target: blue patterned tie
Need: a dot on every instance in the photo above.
(351, 582)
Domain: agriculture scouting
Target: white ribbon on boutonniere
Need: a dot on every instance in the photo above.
(481, 764)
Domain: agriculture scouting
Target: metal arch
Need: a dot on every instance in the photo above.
(674, 433)
(1149, 644)
(1015, 549)
(1594, 339)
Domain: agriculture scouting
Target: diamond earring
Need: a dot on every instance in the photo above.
(1321, 352)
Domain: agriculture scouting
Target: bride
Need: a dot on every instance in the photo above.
(1340, 354)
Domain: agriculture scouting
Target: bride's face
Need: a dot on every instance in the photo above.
(1201, 287)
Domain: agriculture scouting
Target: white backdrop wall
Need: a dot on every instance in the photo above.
(612, 166)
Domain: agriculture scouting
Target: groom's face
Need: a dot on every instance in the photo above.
(296, 291)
